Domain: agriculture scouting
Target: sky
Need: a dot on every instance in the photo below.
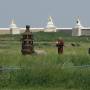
(36, 12)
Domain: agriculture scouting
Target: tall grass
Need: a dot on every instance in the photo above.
(49, 70)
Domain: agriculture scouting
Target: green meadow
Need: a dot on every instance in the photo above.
(49, 71)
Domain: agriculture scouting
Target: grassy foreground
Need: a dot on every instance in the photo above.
(45, 72)
(40, 88)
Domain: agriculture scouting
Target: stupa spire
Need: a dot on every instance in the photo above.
(13, 21)
(49, 19)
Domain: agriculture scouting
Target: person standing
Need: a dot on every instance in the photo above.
(60, 44)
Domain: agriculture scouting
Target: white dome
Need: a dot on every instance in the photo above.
(13, 25)
(50, 23)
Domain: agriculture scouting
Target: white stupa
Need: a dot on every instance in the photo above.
(50, 26)
(77, 30)
(13, 28)
(78, 23)
(13, 25)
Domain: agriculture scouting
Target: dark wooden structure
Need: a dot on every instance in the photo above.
(27, 42)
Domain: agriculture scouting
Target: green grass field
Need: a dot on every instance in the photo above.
(45, 72)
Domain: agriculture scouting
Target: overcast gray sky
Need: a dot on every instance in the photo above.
(36, 12)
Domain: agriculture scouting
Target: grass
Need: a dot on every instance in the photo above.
(45, 72)
(40, 88)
